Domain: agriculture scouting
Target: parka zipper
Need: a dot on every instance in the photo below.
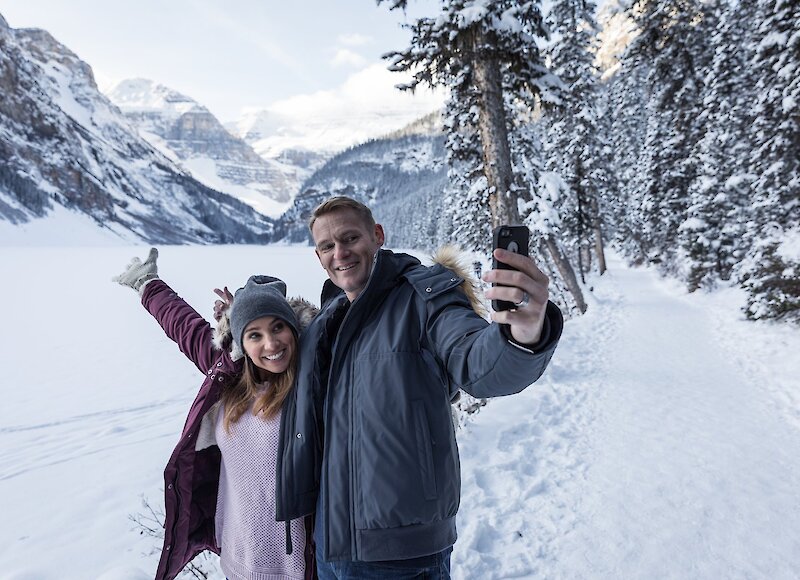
(352, 469)
(351, 416)
(327, 411)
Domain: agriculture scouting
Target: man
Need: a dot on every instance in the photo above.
(367, 436)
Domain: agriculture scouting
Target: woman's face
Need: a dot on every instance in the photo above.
(270, 343)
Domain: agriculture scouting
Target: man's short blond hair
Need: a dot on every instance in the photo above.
(338, 203)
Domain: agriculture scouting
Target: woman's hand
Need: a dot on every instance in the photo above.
(223, 304)
(137, 273)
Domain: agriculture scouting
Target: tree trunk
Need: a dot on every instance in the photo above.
(566, 271)
(586, 251)
(494, 135)
(599, 250)
(497, 156)
(583, 261)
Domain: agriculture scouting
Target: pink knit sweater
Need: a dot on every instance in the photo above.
(253, 543)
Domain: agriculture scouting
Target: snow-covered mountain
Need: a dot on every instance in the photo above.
(271, 132)
(63, 144)
(186, 131)
(401, 177)
(330, 121)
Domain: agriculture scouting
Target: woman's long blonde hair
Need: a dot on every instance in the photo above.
(250, 387)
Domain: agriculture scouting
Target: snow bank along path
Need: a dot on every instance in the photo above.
(663, 441)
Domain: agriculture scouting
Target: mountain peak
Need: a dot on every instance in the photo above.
(65, 145)
(144, 94)
(190, 134)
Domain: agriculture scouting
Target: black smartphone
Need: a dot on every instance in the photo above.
(514, 239)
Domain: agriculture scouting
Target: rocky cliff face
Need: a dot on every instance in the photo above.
(62, 142)
(185, 130)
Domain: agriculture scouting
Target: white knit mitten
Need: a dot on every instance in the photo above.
(138, 274)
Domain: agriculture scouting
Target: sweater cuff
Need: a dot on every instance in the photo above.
(552, 318)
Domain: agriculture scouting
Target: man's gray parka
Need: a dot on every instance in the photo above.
(367, 435)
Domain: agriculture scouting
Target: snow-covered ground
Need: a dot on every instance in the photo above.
(661, 443)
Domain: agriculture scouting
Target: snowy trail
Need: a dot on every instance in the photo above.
(651, 451)
(695, 474)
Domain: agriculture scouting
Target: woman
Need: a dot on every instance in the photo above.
(220, 479)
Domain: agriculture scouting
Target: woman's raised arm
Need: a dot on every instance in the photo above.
(181, 323)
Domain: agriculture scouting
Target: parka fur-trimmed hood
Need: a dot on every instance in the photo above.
(452, 258)
(223, 339)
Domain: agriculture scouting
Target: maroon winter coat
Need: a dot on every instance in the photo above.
(191, 478)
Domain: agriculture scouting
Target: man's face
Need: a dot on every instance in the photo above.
(345, 246)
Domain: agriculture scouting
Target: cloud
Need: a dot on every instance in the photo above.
(372, 88)
(365, 106)
(346, 57)
(353, 39)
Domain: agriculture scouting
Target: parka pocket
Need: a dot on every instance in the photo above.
(402, 453)
(424, 442)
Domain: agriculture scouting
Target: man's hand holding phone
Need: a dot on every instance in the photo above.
(518, 286)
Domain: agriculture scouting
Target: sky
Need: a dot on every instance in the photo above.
(237, 55)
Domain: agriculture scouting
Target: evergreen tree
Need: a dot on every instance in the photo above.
(541, 191)
(607, 177)
(771, 273)
(574, 142)
(467, 195)
(704, 108)
(487, 50)
(713, 232)
(486, 54)
(672, 41)
(625, 106)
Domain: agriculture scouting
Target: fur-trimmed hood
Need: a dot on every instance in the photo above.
(452, 258)
(223, 339)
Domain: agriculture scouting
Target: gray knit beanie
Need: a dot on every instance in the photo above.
(261, 296)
